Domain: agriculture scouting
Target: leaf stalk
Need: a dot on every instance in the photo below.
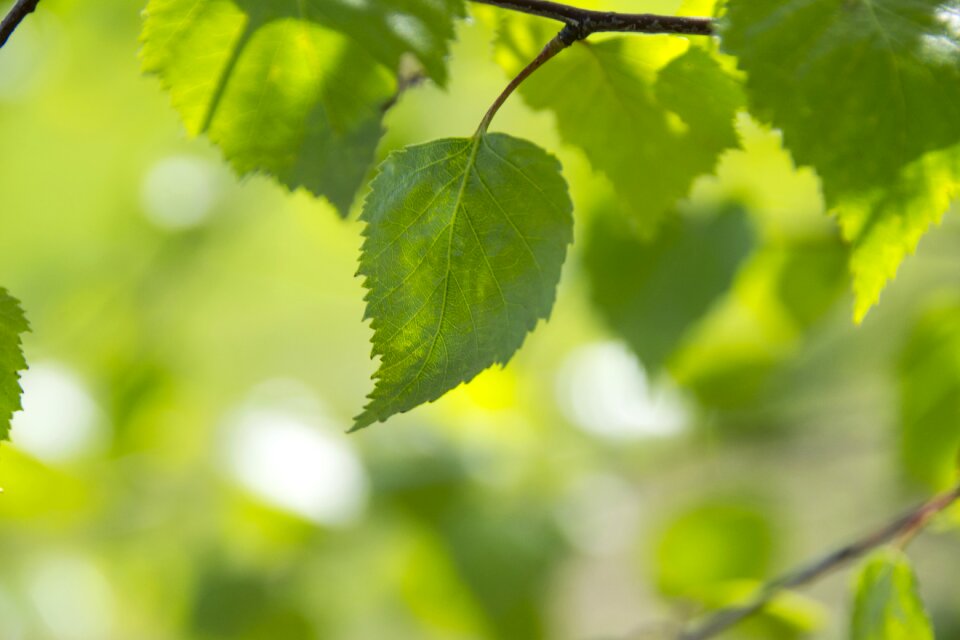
(567, 36)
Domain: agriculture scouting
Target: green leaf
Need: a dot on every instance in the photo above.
(887, 604)
(465, 238)
(295, 89)
(885, 224)
(863, 90)
(929, 368)
(712, 544)
(652, 293)
(651, 113)
(12, 325)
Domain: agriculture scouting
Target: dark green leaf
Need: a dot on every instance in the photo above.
(465, 238)
(887, 605)
(651, 293)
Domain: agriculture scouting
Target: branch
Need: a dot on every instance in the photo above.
(586, 21)
(902, 530)
(19, 11)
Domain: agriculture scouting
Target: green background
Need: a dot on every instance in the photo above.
(182, 468)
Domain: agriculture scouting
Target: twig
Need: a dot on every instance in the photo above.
(900, 529)
(587, 21)
(13, 19)
(567, 36)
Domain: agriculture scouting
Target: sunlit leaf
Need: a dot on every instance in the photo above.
(887, 605)
(465, 238)
(862, 90)
(885, 224)
(650, 113)
(713, 544)
(651, 293)
(12, 325)
(293, 89)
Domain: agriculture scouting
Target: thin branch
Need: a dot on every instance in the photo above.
(587, 21)
(567, 36)
(901, 529)
(13, 19)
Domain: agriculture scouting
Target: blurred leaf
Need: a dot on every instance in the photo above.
(787, 615)
(649, 113)
(885, 224)
(711, 545)
(862, 91)
(293, 89)
(811, 278)
(12, 325)
(506, 554)
(651, 293)
(887, 604)
(246, 606)
(929, 369)
(733, 361)
(465, 238)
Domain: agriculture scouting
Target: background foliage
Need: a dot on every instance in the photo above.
(181, 469)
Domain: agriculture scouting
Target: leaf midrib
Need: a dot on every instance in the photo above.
(471, 160)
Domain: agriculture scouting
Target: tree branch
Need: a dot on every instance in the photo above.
(900, 530)
(13, 19)
(587, 21)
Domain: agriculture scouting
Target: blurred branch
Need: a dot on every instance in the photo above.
(13, 19)
(900, 530)
(586, 21)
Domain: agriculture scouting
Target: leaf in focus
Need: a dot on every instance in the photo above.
(868, 93)
(465, 239)
(12, 325)
(650, 113)
(293, 89)
(929, 368)
(887, 605)
(651, 293)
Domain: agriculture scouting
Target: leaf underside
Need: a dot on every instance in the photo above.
(465, 239)
(294, 89)
(12, 325)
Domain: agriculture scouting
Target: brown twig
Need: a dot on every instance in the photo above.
(587, 21)
(20, 10)
(901, 529)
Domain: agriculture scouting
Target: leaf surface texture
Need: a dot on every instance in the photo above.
(465, 239)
